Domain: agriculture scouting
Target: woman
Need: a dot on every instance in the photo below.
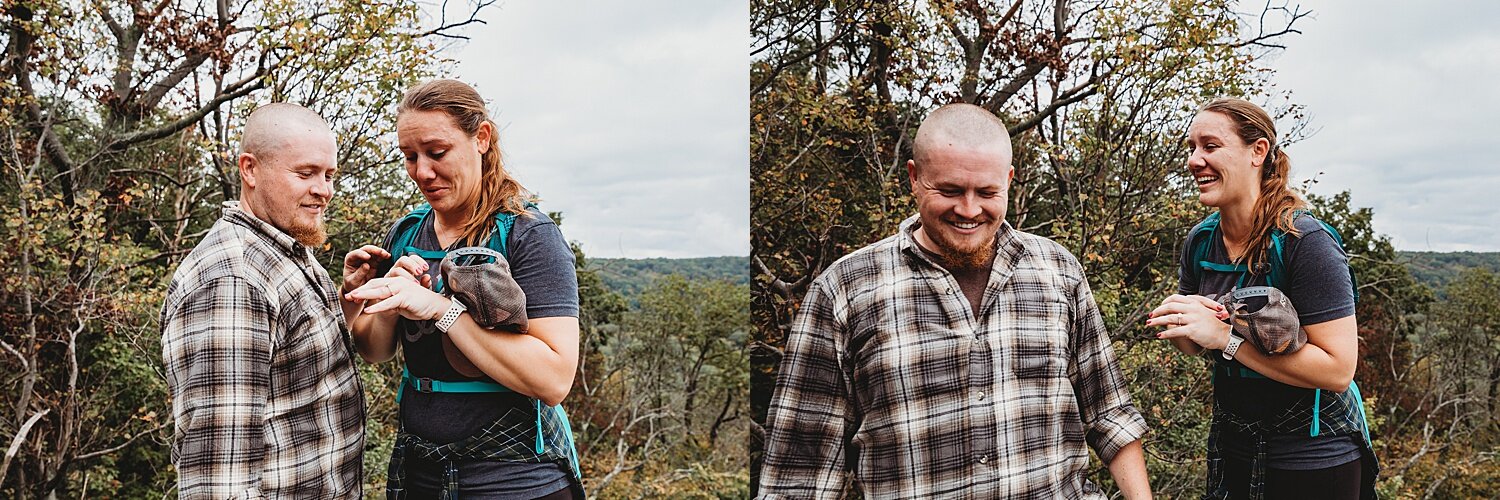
(495, 434)
(1285, 425)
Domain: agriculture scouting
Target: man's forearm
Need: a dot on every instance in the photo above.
(1129, 471)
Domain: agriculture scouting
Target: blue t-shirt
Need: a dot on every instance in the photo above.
(1318, 283)
(542, 264)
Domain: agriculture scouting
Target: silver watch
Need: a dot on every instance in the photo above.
(1233, 346)
(446, 322)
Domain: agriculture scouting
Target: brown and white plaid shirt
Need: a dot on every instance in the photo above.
(891, 386)
(265, 394)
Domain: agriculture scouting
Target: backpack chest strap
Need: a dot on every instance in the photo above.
(421, 384)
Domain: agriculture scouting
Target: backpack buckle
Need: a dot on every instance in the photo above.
(421, 384)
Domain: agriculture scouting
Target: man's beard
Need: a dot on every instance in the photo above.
(956, 259)
(309, 236)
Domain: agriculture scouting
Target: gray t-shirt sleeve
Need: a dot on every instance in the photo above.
(1318, 280)
(542, 263)
(1187, 281)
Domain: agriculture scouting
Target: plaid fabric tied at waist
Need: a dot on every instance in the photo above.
(514, 437)
(1332, 413)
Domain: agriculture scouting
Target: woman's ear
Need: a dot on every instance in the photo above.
(1259, 149)
(483, 136)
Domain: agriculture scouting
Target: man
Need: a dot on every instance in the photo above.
(960, 358)
(264, 390)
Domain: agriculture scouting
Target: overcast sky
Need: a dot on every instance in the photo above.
(631, 118)
(1404, 97)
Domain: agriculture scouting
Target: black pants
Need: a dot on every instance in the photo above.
(424, 480)
(1340, 482)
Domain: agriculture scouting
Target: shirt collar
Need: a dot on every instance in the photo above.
(282, 241)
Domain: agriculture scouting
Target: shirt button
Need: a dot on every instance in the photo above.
(984, 458)
(981, 396)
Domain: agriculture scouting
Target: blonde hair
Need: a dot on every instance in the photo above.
(1278, 204)
(498, 191)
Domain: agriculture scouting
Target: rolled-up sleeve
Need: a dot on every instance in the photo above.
(1110, 421)
(216, 346)
(810, 417)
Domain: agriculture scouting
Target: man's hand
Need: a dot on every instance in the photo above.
(359, 266)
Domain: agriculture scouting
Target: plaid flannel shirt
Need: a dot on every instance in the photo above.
(265, 396)
(892, 387)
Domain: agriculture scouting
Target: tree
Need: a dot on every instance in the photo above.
(120, 122)
(670, 414)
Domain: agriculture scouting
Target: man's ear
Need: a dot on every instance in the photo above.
(249, 166)
(911, 174)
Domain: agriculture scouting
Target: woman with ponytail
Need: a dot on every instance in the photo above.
(1286, 424)
(479, 407)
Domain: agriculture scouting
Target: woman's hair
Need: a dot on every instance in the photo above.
(1278, 203)
(498, 191)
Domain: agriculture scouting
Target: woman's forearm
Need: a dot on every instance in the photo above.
(1327, 361)
(539, 363)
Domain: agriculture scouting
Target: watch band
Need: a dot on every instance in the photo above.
(1233, 346)
(446, 322)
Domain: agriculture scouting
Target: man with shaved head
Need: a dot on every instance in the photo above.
(959, 358)
(265, 396)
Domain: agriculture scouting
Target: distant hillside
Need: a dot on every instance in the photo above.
(1437, 269)
(630, 276)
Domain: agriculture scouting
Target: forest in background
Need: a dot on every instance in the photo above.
(1097, 95)
(118, 124)
(630, 276)
(1438, 269)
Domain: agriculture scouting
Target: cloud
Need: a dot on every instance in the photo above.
(1400, 94)
(629, 117)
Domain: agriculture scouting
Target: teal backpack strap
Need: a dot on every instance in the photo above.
(500, 238)
(1200, 239)
(406, 232)
(1278, 264)
(430, 385)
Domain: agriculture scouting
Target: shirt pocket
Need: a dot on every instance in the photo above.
(1039, 344)
(312, 340)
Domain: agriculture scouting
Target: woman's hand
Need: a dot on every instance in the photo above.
(403, 295)
(411, 267)
(1192, 317)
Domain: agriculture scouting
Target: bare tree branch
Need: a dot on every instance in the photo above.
(20, 437)
(99, 453)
